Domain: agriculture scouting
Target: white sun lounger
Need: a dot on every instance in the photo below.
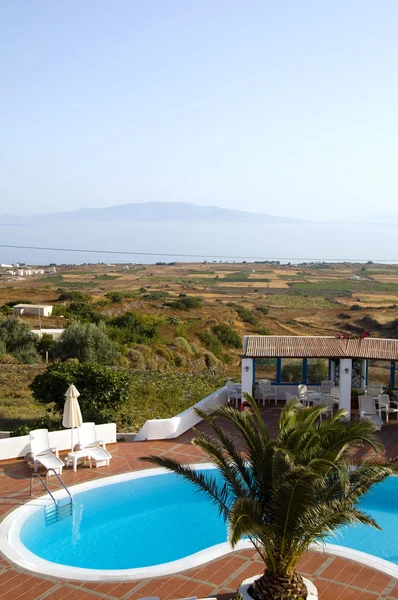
(42, 452)
(367, 410)
(96, 448)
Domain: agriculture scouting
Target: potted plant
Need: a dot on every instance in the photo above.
(354, 398)
(286, 492)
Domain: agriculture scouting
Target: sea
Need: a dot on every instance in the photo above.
(146, 243)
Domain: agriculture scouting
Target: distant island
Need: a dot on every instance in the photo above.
(151, 212)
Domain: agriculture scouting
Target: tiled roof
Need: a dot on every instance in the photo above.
(279, 346)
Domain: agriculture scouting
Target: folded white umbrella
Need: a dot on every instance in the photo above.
(72, 416)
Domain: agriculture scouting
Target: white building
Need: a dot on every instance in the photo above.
(55, 333)
(32, 309)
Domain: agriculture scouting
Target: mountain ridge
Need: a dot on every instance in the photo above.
(151, 211)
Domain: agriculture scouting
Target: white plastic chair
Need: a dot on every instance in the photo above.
(96, 448)
(266, 391)
(386, 405)
(326, 386)
(367, 410)
(42, 452)
(303, 394)
(289, 397)
(232, 393)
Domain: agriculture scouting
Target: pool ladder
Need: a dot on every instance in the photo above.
(56, 511)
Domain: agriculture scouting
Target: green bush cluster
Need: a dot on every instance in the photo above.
(74, 297)
(243, 313)
(227, 335)
(211, 342)
(186, 303)
(17, 340)
(134, 328)
(87, 342)
(115, 297)
(103, 390)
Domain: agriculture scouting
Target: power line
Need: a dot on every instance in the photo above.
(212, 256)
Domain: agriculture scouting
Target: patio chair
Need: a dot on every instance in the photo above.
(367, 410)
(387, 406)
(326, 386)
(42, 453)
(267, 392)
(232, 393)
(96, 448)
(289, 397)
(328, 401)
(302, 394)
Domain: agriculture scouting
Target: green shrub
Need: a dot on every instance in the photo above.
(317, 371)
(120, 296)
(114, 297)
(212, 362)
(156, 295)
(136, 359)
(88, 343)
(17, 339)
(183, 345)
(45, 344)
(6, 310)
(186, 303)
(227, 335)
(74, 296)
(134, 328)
(102, 390)
(292, 372)
(243, 313)
(211, 342)
(356, 307)
(263, 309)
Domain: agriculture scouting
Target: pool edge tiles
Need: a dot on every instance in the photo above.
(13, 548)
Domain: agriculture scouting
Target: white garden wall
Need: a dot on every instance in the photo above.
(163, 429)
(18, 447)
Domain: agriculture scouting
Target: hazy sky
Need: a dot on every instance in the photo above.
(283, 107)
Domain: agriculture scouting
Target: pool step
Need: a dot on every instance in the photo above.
(56, 512)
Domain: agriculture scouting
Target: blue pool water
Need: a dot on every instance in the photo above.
(154, 520)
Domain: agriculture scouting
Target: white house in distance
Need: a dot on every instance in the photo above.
(55, 333)
(32, 309)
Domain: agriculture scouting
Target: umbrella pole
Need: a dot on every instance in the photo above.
(71, 438)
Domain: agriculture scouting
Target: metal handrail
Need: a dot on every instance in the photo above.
(60, 481)
(44, 483)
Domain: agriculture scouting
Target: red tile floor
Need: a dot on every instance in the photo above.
(334, 577)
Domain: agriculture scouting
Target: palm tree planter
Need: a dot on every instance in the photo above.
(287, 492)
(312, 592)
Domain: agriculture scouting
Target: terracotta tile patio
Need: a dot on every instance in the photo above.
(334, 577)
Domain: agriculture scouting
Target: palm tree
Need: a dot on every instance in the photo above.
(284, 493)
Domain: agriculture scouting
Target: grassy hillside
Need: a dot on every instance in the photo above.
(177, 310)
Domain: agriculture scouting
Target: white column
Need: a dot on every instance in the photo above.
(247, 375)
(345, 385)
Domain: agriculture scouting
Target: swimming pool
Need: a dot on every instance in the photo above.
(151, 523)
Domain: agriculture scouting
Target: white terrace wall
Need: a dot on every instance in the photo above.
(164, 429)
(18, 447)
